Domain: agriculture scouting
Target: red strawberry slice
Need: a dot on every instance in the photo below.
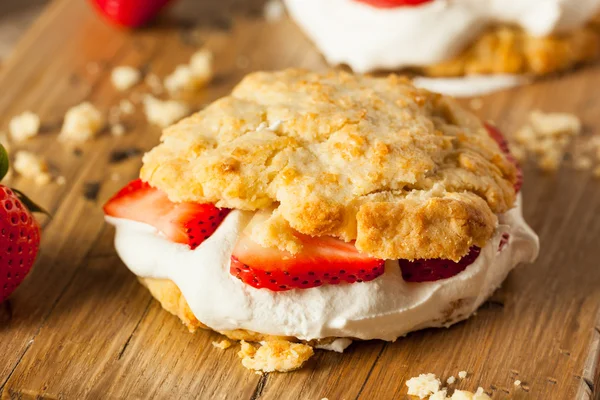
(394, 3)
(187, 223)
(323, 260)
(499, 138)
(130, 13)
(436, 269)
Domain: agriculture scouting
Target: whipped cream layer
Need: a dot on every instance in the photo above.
(385, 308)
(368, 38)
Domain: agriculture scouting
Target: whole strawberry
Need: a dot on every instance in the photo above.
(19, 235)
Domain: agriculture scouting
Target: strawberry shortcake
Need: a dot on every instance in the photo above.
(311, 210)
(453, 37)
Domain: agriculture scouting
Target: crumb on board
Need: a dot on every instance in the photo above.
(24, 126)
(126, 107)
(31, 166)
(125, 77)
(192, 76)
(61, 180)
(274, 355)
(117, 130)
(423, 385)
(427, 386)
(82, 123)
(273, 10)
(546, 137)
(451, 380)
(462, 374)
(164, 112)
(222, 344)
(154, 83)
(517, 383)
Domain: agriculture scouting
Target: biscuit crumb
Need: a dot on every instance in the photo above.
(154, 83)
(274, 355)
(451, 380)
(462, 374)
(164, 113)
(126, 107)
(124, 77)
(81, 123)
(517, 383)
(273, 10)
(222, 344)
(547, 135)
(117, 130)
(61, 180)
(192, 76)
(31, 166)
(428, 386)
(24, 126)
(423, 386)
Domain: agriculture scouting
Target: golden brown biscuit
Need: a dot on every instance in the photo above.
(342, 155)
(511, 50)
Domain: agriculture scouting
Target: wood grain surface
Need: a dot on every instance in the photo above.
(82, 327)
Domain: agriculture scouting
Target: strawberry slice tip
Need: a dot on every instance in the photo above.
(394, 3)
(503, 144)
(187, 223)
(436, 269)
(323, 260)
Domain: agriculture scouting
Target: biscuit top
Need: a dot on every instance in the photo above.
(406, 173)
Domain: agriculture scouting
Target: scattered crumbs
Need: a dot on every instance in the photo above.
(31, 166)
(125, 77)
(423, 385)
(61, 180)
(81, 123)
(451, 380)
(274, 355)
(126, 107)
(24, 126)
(242, 62)
(324, 398)
(259, 373)
(462, 374)
(192, 76)
(91, 190)
(552, 381)
(154, 83)
(117, 130)
(582, 163)
(222, 344)
(476, 103)
(427, 386)
(273, 10)
(164, 113)
(546, 137)
(517, 383)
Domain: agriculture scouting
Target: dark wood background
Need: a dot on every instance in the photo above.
(82, 327)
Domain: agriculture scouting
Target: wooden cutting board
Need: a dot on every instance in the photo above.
(82, 327)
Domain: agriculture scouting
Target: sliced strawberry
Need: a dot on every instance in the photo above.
(434, 270)
(323, 260)
(394, 3)
(499, 138)
(129, 13)
(187, 223)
